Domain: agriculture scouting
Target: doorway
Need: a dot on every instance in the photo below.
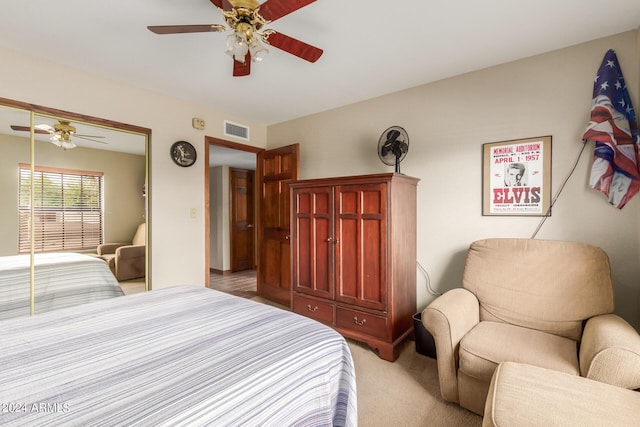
(275, 168)
(222, 157)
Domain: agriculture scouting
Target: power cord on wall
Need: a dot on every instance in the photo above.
(431, 291)
(428, 280)
(553, 202)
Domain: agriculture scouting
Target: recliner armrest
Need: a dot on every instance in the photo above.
(448, 318)
(130, 262)
(610, 351)
(109, 248)
(130, 251)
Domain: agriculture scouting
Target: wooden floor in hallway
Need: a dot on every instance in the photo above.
(241, 283)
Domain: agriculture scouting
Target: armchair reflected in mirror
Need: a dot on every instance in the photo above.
(126, 260)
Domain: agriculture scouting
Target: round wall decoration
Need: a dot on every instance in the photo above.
(183, 153)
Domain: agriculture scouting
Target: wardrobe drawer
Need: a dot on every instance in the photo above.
(359, 321)
(318, 310)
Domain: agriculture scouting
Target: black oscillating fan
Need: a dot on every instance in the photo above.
(393, 146)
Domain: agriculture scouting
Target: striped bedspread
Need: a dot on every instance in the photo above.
(61, 280)
(184, 356)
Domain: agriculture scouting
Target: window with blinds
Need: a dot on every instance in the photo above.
(67, 207)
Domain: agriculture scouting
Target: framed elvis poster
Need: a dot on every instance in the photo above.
(516, 177)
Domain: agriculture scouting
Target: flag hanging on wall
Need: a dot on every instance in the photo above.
(614, 129)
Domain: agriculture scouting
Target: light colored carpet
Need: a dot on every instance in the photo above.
(404, 393)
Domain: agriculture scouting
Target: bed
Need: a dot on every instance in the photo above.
(62, 279)
(177, 356)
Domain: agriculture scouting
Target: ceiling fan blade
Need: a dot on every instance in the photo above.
(293, 46)
(27, 129)
(45, 127)
(222, 4)
(178, 29)
(86, 137)
(276, 9)
(240, 69)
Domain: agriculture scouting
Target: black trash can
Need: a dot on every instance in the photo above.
(425, 344)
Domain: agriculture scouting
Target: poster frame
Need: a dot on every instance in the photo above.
(532, 197)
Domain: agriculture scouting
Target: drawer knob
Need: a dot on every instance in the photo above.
(359, 322)
(312, 309)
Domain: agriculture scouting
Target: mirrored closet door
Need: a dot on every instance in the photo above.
(76, 210)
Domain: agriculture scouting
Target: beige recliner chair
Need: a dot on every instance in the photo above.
(537, 302)
(126, 260)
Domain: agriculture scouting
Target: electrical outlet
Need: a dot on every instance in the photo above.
(193, 213)
(197, 123)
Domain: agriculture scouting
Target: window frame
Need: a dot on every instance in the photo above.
(55, 237)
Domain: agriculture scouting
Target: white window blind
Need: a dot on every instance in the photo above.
(68, 212)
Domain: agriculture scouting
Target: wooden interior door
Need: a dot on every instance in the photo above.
(241, 218)
(276, 168)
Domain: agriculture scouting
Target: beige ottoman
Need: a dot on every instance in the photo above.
(524, 395)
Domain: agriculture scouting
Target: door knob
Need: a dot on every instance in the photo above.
(249, 225)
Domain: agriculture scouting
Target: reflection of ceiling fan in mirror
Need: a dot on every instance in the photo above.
(61, 133)
(246, 18)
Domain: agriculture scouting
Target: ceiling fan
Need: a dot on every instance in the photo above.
(246, 18)
(61, 133)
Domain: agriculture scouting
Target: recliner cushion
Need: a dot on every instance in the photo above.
(139, 237)
(489, 343)
(548, 285)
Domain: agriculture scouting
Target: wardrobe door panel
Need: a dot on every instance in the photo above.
(361, 252)
(313, 239)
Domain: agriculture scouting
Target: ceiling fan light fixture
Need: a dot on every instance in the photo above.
(61, 141)
(257, 50)
(68, 145)
(237, 46)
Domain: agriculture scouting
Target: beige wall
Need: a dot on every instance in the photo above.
(449, 120)
(178, 240)
(123, 181)
(219, 226)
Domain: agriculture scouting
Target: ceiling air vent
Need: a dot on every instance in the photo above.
(236, 130)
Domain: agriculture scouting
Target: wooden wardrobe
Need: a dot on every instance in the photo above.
(354, 256)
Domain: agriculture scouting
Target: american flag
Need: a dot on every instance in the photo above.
(614, 129)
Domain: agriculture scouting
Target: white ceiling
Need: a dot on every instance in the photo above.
(370, 47)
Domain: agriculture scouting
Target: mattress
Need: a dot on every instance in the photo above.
(62, 279)
(178, 356)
